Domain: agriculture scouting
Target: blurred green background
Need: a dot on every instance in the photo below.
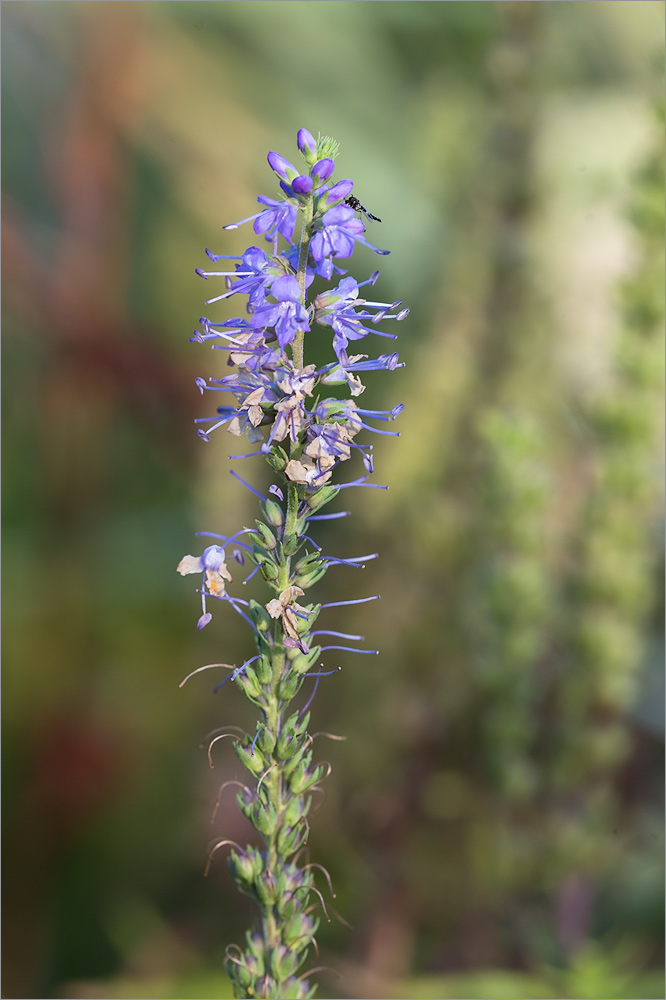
(493, 824)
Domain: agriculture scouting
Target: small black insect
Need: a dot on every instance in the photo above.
(358, 207)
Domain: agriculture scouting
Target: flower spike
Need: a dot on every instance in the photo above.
(279, 400)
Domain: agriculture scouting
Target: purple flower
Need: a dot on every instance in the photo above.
(329, 197)
(257, 272)
(344, 311)
(279, 217)
(338, 232)
(288, 315)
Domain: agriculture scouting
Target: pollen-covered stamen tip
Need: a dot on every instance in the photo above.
(241, 222)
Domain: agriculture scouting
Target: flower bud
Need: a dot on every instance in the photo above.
(308, 146)
(273, 513)
(289, 686)
(264, 819)
(296, 810)
(304, 662)
(335, 195)
(323, 495)
(322, 171)
(267, 741)
(284, 961)
(290, 543)
(266, 888)
(270, 541)
(285, 170)
(269, 571)
(260, 616)
(289, 838)
(308, 579)
(277, 458)
(264, 669)
(299, 929)
(256, 763)
(301, 756)
(302, 185)
(249, 684)
(243, 868)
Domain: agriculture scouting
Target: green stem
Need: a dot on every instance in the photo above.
(304, 246)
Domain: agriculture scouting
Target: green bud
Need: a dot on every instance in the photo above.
(316, 501)
(297, 809)
(263, 669)
(302, 727)
(243, 868)
(259, 555)
(308, 579)
(273, 512)
(264, 819)
(299, 929)
(277, 458)
(299, 526)
(284, 961)
(267, 741)
(287, 734)
(289, 686)
(241, 976)
(269, 571)
(302, 778)
(266, 888)
(290, 838)
(255, 942)
(304, 662)
(255, 763)
(307, 562)
(250, 686)
(300, 757)
(270, 540)
(260, 616)
(290, 544)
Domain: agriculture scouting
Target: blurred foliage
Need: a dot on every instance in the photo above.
(493, 823)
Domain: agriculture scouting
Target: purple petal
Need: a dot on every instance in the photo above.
(286, 289)
(285, 170)
(302, 185)
(323, 170)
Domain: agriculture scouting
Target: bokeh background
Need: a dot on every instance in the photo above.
(493, 823)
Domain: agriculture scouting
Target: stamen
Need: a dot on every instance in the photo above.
(221, 256)
(328, 517)
(248, 578)
(360, 600)
(235, 225)
(350, 562)
(375, 430)
(325, 631)
(236, 673)
(258, 734)
(250, 488)
(351, 649)
(361, 482)
(225, 538)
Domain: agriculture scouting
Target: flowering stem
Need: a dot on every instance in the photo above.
(276, 393)
(306, 236)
